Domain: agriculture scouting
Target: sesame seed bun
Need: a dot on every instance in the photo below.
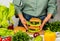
(35, 20)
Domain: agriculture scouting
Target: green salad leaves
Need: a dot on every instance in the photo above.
(6, 15)
(5, 32)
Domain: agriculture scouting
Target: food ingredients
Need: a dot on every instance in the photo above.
(0, 38)
(19, 28)
(34, 23)
(5, 32)
(3, 40)
(38, 38)
(7, 38)
(53, 26)
(21, 36)
(11, 27)
(49, 36)
(6, 15)
(36, 34)
(33, 30)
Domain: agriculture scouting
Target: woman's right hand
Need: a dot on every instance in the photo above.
(23, 21)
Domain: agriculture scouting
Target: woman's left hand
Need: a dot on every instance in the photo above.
(45, 20)
(41, 27)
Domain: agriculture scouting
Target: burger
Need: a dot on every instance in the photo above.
(33, 25)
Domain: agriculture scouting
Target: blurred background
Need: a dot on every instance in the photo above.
(57, 16)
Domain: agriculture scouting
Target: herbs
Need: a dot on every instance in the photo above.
(6, 15)
(54, 26)
(21, 36)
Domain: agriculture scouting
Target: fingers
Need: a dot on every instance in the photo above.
(24, 22)
(25, 26)
(41, 27)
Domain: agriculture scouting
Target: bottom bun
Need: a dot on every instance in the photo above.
(19, 28)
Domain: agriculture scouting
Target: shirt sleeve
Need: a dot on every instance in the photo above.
(18, 6)
(52, 7)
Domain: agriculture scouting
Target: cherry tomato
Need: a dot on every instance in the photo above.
(0, 38)
(36, 34)
(8, 38)
(3, 40)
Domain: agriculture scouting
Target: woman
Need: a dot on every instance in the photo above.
(43, 9)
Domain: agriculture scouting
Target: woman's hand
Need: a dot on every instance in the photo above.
(45, 21)
(41, 27)
(23, 21)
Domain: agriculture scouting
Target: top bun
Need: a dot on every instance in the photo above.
(35, 20)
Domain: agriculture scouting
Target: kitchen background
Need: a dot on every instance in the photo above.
(57, 17)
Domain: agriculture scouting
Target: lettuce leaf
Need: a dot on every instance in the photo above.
(6, 15)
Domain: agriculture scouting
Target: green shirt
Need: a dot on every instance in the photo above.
(35, 7)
